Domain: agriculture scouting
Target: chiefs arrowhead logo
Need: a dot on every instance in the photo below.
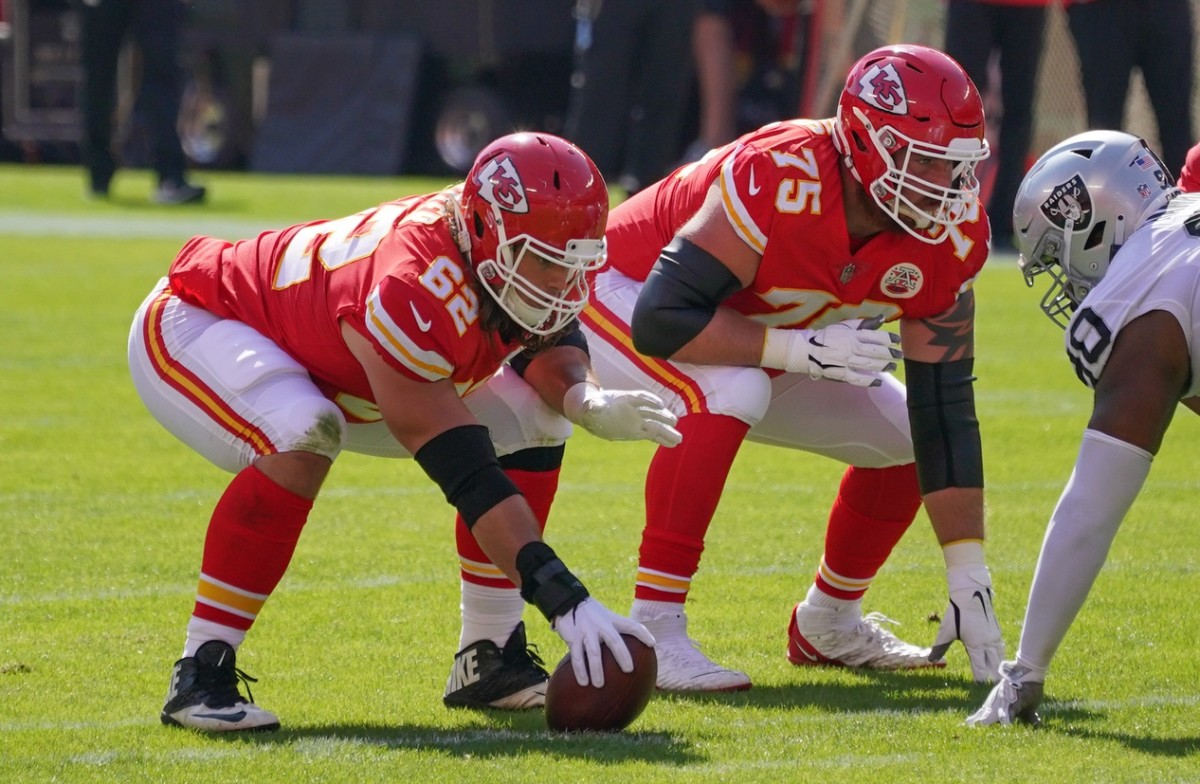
(500, 184)
(881, 87)
(1069, 201)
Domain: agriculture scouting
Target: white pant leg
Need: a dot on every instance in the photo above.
(515, 415)
(740, 392)
(223, 388)
(862, 427)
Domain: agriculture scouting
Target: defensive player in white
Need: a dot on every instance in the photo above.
(1099, 217)
(440, 327)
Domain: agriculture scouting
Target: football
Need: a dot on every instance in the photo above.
(574, 708)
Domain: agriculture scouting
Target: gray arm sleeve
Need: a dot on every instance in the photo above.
(1108, 476)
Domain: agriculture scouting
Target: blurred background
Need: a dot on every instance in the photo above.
(416, 87)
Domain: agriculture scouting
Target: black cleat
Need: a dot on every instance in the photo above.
(204, 694)
(486, 676)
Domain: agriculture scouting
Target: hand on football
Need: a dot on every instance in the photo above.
(856, 352)
(619, 415)
(971, 618)
(588, 625)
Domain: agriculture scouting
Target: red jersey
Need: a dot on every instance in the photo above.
(1189, 178)
(393, 273)
(782, 190)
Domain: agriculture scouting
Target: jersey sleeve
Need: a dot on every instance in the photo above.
(410, 329)
(748, 182)
(1189, 177)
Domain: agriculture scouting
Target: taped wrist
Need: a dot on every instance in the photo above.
(945, 432)
(463, 462)
(679, 298)
(546, 582)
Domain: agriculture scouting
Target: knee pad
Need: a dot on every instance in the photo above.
(740, 392)
(314, 425)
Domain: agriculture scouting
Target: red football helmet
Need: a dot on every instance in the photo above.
(533, 193)
(904, 102)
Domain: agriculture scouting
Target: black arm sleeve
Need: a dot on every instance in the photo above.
(463, 462)
(945, 432)
(679, 298)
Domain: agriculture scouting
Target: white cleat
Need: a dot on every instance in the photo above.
(841, 638)
(681, 665)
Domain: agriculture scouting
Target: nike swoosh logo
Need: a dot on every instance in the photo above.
(754, 187)
(422, 323)
(232, 718)
(982, 604)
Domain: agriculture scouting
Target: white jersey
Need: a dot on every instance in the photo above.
(1158, 268)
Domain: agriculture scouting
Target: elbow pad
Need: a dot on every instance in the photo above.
(463, 462)
(679, 298)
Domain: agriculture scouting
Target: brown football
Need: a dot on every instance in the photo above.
(574, 708)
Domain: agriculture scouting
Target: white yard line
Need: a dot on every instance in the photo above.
(125, 226)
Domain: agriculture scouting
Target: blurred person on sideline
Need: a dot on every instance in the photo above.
(440, 327)
(715, 49)
(630, 86)
(745, 290)
(1012, 31)
(1113, 37)
(156, 26)
(1100, 218)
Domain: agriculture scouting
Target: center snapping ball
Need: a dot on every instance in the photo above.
(574, 708)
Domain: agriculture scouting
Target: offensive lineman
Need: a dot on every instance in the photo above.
(388, 332)
(743, 288)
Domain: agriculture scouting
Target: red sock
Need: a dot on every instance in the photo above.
(683, 488)
(250, 541)
(539, 488)
(874, 507)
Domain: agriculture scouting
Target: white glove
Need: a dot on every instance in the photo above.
(970, 617)
(854, 351)
(619, 415)
(1015, 698)
(588, 624)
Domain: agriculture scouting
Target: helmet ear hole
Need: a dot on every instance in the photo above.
(479, 227)
(1095, 236)
(858, 141)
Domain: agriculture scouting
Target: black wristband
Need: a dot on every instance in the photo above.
(546, 582)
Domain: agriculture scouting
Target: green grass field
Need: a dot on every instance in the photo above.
(102, 517)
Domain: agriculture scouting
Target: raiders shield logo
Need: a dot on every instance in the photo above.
(1069, 201)
(500, 184)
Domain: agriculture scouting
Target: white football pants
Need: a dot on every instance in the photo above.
(233, 395)
(865, 427)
